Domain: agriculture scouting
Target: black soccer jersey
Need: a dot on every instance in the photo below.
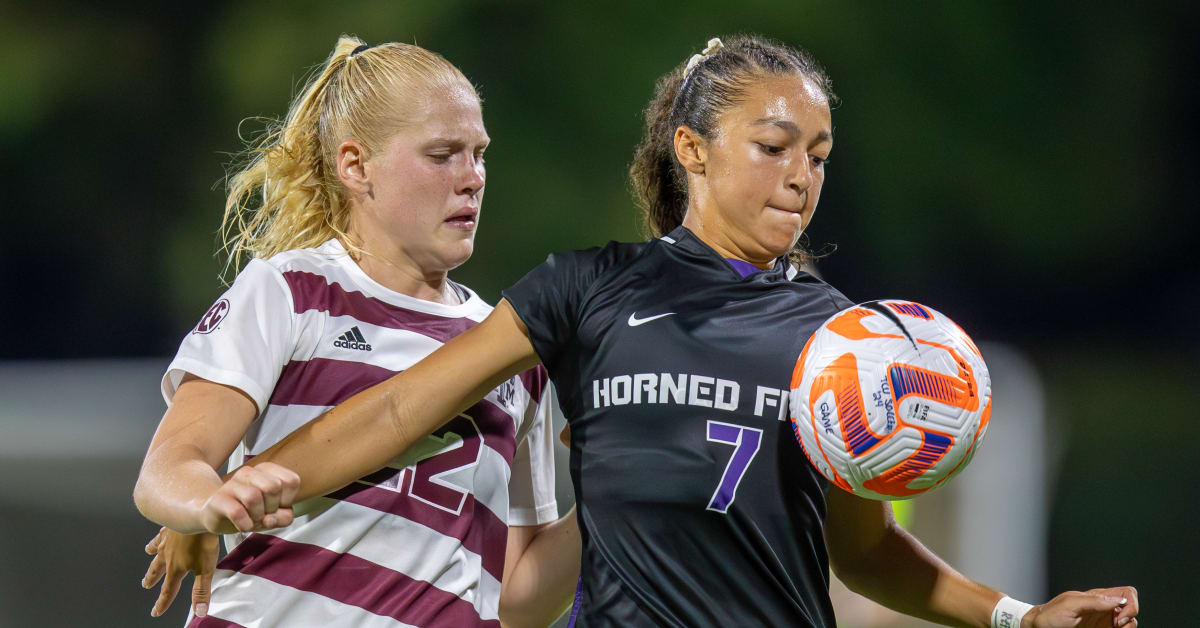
(696, 504)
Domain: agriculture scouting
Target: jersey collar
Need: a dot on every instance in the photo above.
(684, 239)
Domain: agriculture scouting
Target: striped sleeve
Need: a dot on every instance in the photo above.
(243, 340)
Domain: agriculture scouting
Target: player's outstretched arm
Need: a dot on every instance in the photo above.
(878, 559)
(371, 428)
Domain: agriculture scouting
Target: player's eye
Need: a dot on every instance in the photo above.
(769, 149)
(819, 161)
(440, 158)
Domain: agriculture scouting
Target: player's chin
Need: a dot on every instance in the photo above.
(780, 234)
(456, 252)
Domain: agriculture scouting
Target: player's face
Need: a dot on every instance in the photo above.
(765, 167)
(427, 182)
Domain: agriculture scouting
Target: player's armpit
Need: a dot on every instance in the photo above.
(854, 530)
(371, 428)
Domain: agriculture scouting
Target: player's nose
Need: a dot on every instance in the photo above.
(800, 177)
(473, 177)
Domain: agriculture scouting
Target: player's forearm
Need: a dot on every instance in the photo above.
(542, 584)
(371, 428)
(350, 441)
(904, 575)
(172, 487)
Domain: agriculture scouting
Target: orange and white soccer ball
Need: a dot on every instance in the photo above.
(890, 399)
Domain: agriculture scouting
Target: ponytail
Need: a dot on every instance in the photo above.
(286, 196)
(659, 184)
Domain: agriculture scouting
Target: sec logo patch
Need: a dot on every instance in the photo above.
(213, 317)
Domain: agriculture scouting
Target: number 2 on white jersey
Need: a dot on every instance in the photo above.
(745, 441)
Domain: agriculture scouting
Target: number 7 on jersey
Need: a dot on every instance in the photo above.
(745, 441)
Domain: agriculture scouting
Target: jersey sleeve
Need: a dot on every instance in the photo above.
(549, 298)
(531, 486)
(245, 338)
(840, 302)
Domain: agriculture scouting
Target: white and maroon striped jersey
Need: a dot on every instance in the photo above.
(420, 542)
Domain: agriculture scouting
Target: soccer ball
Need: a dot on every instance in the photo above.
(890, 399)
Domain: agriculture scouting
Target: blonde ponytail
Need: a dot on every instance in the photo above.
(287, 194)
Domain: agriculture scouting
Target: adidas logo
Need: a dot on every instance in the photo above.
(352, 339)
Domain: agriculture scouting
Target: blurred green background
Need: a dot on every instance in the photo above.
(1027, 168)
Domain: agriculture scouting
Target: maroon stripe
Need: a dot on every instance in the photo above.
(351, 580)
(208, 621)
(476, 527)
(535, 380)
(325, 382)
(314, 292)
(497, 427)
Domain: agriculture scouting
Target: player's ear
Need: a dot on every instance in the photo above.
(352, 167)
(690, 149)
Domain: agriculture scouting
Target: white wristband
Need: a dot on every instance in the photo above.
(1009, 612)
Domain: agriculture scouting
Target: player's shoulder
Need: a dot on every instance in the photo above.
(326, 273)
(593, 263)
(291, 270)
(319, 260)
(814, 285)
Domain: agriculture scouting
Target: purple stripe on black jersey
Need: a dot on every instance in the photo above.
(314, 292)
(351, 580)
(743, 268)
(208, 621)
(477, 527)
(577, 603)
(325, 382)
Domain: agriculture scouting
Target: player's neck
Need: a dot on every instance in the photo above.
(711, 230)
(400, 273)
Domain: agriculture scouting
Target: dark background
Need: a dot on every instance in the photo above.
(1027, 168)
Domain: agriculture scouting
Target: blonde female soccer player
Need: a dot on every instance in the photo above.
(354, 209)
(671, 359)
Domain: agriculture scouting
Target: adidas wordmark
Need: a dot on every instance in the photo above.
(352, 339)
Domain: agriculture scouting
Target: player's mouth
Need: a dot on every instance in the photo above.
(464, 218)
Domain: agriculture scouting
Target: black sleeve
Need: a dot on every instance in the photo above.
(840, 302)
(547, 299)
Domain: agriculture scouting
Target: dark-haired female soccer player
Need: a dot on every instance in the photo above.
(671, 358)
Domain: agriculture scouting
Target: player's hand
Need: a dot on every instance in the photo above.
(253, 498)
(1115, 607)
(175, 555)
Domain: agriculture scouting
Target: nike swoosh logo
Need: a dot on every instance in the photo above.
(634, 321)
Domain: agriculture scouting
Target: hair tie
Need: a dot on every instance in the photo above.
(714, 45)
(360, 49)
